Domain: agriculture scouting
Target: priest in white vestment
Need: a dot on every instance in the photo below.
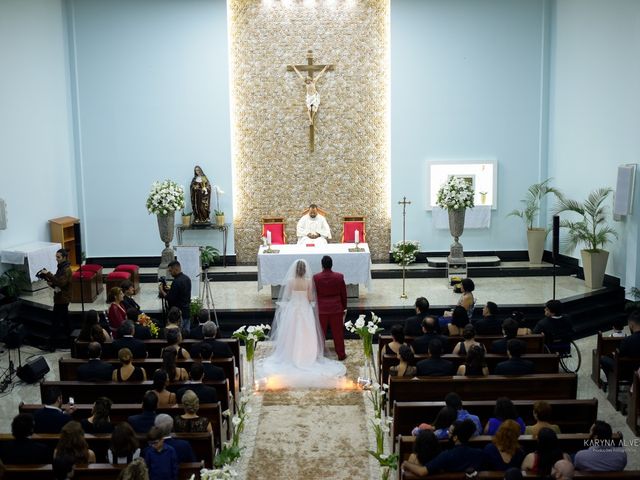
(313, 228)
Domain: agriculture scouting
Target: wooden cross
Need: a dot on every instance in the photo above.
(310, 68)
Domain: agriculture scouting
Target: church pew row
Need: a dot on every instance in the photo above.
(633, 415)
(201, 443)
(622, 375)
(68, 368)
(572, 416)
(121, 411)
(154, 347)
(604, 346)
(100, 471)
(544, 362)
(526, 387)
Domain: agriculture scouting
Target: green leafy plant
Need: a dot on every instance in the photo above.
(635, 303)
(592, 230)
(535, 194)
(13, 281)
(186, 214)
(194, 307)
(209, 255)
(405, 253)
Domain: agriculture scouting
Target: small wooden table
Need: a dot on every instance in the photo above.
(210, 226)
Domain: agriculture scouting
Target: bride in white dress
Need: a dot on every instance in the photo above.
(298, 360)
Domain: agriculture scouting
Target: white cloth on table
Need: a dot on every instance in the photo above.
(476, 217)
(307, 225)
(39, 255)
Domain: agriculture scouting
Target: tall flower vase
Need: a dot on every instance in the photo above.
(385, 473)
(250, 379)
(166, 224)
(456, 227)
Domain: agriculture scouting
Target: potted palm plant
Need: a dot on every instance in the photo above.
(592, 231)
(535, 235)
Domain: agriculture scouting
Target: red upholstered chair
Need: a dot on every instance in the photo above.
(134, 270)
(114, 279)
(83, 287)
(97, 269)
(349, 227)
(276, 226)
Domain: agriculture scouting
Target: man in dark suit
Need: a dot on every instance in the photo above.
(510, 331)
(183, 449)
(489, 324)
(51, 418)
(211, 372)
(435, 366)
(205, 393)
(23, 450)
(143, 422)
(218, 348)
(95, 370)
(126, 340)
(629, 346)
(430, 329)
(515, 365)
(555, 326)
(331, 292)
(413, 325)
(196, 332)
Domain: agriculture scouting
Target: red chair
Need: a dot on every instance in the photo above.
(276, 226)
(114, 279)
(134, 270)
(83, 287)
(349, 227)
(97, 269)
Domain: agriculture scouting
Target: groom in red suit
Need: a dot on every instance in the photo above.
(332, 303)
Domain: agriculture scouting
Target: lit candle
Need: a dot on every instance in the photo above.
(268, 237)
(357, 236)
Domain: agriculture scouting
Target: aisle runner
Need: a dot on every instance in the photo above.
(310, 434)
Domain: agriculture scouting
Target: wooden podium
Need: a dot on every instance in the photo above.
(66, 231)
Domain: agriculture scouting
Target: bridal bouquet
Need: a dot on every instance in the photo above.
(145, 321)
(457, 193)
(251, 335)
(165, 197)
(365, 330)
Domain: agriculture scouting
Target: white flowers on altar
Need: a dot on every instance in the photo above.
(404, 253)
(165, 197)
(455, 194)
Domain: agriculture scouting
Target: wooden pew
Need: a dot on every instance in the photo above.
(526, 387)
(68, 368)
(572, 416)
(201, 443)
(100, 471)
(121, 411)
(623, 372)
(604, 346)
(633, 408)
(544, 362)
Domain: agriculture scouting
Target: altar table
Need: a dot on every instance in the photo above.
(355, 266)
(38, 255)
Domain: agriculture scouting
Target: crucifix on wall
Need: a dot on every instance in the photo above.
(312, 96)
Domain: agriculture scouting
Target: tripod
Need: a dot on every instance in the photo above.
(205, 296)
(10, 372)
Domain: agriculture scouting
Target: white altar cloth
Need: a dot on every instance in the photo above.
(476, 217)
(38, 254)
(355, 266)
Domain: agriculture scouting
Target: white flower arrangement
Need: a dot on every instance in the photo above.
(456, 193)
(404, 253)
(251, 336)
(365, 330)
(381, 427)
(224, 473)
(219, 192)
(165, 197)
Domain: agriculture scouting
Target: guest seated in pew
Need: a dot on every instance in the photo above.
(126, 340)
(563, 470)
(95, 370)
(397, 335)
(505, 410)
(127, 372)
(441, 426)
(618, 327)
(91, 318)
(174, 339)
(466, 301)
(143, 422)
(128, 302)
(136, 470)
(555, 326)
(196, 332)
(504, 451)
(405, 367)
(602, 455)
(435, 366)
(139, 331)
(454, 401)
(176, 374)
(542, 413)
(63, 467)
(73, 443)
(459, 320)
(124, 446)
(547, 453)
(425, 448)
(51, 418)
(456, 459)
(189, 421)
(161, 459)
(117, 314)
(489, 324)
(183, 449)
(165, 397)
(430, 331)
(23, 450)
(474, 364)
(522, 328)
(469, 336)
(515, 365)
(510, 331)
(99, 421)
(629, 346)
(413, 325)
(205, 393)
(174, 321)
(220, 349)
(211, 371)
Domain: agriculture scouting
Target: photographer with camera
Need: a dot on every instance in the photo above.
(179, 294)
(61, 284)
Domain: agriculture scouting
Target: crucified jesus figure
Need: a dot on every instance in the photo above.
(313, 97)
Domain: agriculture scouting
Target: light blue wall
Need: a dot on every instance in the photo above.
(467, 82)
(151, 84)
(36, 148)
(595, 109)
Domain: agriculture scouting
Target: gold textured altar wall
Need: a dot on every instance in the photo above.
(275, 173)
